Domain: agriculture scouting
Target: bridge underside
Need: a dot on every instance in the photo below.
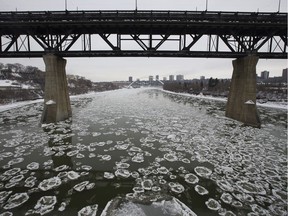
(143, 34)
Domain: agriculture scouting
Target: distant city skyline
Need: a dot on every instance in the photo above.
(112, 69)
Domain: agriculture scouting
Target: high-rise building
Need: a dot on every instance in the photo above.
(284, 74)
(264, 75)
(157, 77)
(202, 77)
(164, 78)
(179, 77)
(130, 79)
(171, 78)
(150, 78)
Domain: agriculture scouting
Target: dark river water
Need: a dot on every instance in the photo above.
(148, 151)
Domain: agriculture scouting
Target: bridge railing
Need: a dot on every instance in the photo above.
(199, 16)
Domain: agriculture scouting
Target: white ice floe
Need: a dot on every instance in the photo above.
(213, 204)
(191, 178)
(16, 200)
(203, 171)
(48, 184)
(201, 190)
(88, 210)
(147, 184)
(45, 204)
(250, 188)
(108, 175)
(81, 186)
(171, 207)
(72, 175)
(122, 173)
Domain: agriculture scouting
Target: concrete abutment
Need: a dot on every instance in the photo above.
(241, 104)
(56, 97)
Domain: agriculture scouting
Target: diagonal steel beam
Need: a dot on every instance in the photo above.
(105, 38)
(140, 42)
(225, 40)
(73, 42)
(195, 39)
(14, 39)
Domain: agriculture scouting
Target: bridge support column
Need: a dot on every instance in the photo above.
(56, 98)
(241, 104)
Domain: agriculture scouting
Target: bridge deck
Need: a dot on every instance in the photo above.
(240, 32)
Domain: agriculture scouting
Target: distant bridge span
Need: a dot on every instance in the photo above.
(208, 34)
(246, 36)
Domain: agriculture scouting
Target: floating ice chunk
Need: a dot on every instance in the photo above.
(203, 171)
(33, 166)
(86, 167)
(225, 185)
(162, 170)
(81, 186)
(280, 194)
(226, 169)
(170, 157)
(108, 175)
(45, 204)
(6, 214)
(212, 204)
(122, 173)
(106, 157)
(72, 153)
(16, 161)
(171, 206)
(12, 171)
(135, 149)
(122, 146)
(138, 158)
(95, 134)
(147, 184)
(16, 200)
(50, 102)
(17, 178)
(90, 186)
(4, 195)
(121, 165)
(72, 175)
(236, 204)
(259, 210)
(185, 160)
(191, 178)
(250, 188)
(177, 188)
(50, 183)
(226, 198)
(88, 210)
(138, 189)
(201, 190)
(61, 168)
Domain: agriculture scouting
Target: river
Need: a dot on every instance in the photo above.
(141, 145)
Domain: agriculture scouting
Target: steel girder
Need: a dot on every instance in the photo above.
(143, 33)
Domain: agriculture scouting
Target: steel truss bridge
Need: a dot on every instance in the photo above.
(143, 33)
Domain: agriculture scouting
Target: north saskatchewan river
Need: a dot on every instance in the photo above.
(142, 152)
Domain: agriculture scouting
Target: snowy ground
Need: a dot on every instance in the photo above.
(139, 143)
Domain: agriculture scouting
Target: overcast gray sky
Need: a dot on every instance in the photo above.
(110, 69)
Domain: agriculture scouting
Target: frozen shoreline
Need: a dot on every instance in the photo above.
(276, 105)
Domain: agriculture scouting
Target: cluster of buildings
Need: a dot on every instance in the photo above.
(171, 78)
(264, 77)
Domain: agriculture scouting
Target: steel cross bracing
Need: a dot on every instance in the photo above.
(143, 33)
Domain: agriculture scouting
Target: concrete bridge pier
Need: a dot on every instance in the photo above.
(241, 104)
(56, 98)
